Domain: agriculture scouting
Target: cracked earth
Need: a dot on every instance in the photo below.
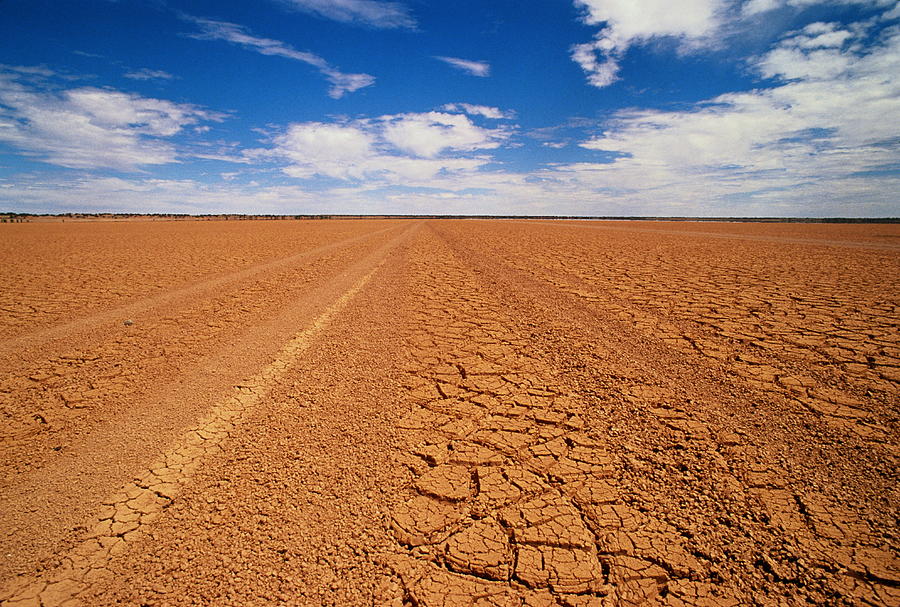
(442, 413)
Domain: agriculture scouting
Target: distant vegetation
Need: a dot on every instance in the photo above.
(29, 217)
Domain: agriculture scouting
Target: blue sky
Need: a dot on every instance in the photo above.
(552, 107)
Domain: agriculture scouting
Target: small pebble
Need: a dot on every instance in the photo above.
(128, 323)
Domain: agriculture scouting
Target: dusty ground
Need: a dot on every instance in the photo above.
(449, 413)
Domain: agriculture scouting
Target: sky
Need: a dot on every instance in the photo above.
(709, 108)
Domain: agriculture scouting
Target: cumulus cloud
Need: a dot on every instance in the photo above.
(429, 134)
(91, 127)
(341, 83)
(395, 149)
(332, 150)
(372, 13)
(148, 74)
(627, 22)
(817, 142)
(815, 139)
(481, 69)
(693, 24)
(821, 128)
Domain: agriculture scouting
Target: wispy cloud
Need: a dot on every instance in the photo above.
(562, 135)
(474, 68)
(485, 111)
(754, 7)
(28, 70)
(148, 74)
(341, 82)
(90, 128)
(372, 13)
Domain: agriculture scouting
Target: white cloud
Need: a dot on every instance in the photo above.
(821, 35)
(330, 150)
(571, 189)
(386, 15)
(429, 134)
(93, 128)
(816, 132)
(599, 72)
(485, 111)
(391, 150)
(481, 69)
(792, 63)
(31, 70)
(692, 23)
(814, 53)
(819, 143)
(816, 141)
(637, 19)
(755, 7)
(113, 194)
(148, 74)
(627, 22)
(113, 109)
(341, 83)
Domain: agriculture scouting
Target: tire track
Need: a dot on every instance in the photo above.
(294, 511)
(175, 297)
(515, 502)
(50, 391)
(571, 441)
(91, 407)
(126, 515)
(742, 477)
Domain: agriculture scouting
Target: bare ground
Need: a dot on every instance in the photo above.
(449, 413)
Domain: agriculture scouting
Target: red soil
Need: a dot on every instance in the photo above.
(449, 413)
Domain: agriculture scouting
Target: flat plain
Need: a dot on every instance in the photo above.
(449, 412)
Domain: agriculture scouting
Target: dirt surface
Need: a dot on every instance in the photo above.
(439, 413)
